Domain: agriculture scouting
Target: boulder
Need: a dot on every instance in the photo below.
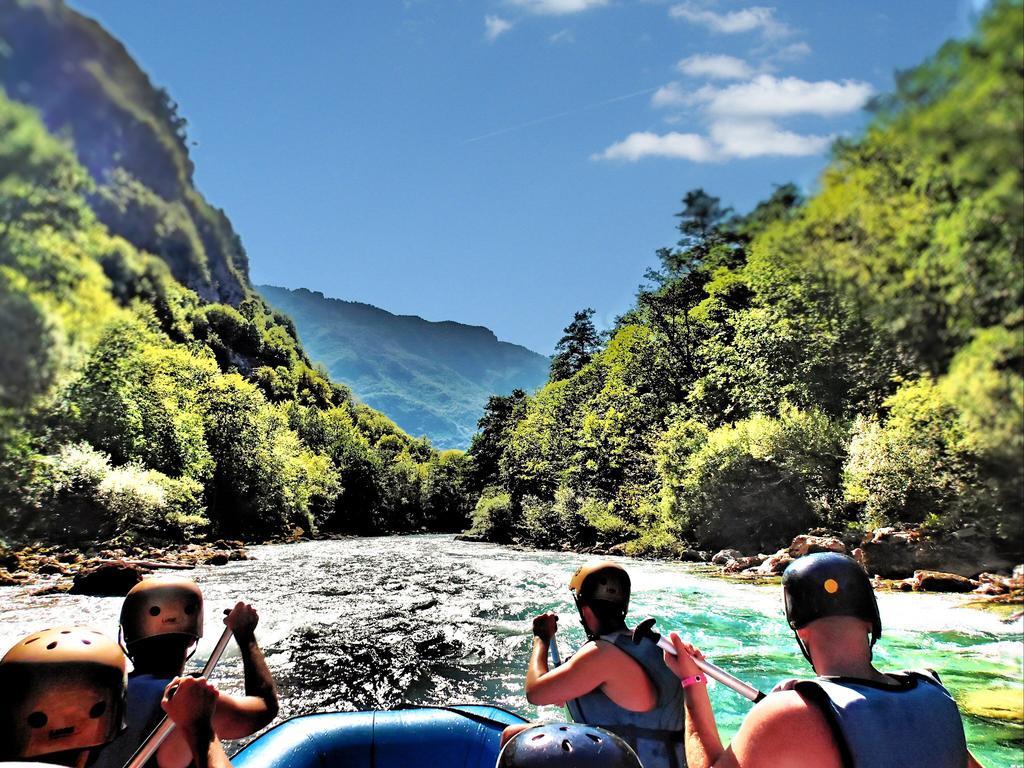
(895, 554)
(7, 579)
(694, 556)
(726, 556)
(50, 567)
(808, 545)
(217, 558)
(775, 564)
(744, 563)
(991, 589)
(113, 579)
(937, 581)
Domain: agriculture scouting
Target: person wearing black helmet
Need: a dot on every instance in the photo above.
(612, 681)
(851, 715)
(567, 745)
(161, 624)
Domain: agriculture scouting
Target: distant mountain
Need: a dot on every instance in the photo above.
(431, 378)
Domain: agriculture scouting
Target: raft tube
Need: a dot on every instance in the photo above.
(463, 736)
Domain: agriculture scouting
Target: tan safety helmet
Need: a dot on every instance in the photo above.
(61, 689)
(601, 581)
(169, 606)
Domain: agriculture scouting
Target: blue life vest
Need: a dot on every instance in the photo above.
(142, 714)
(656, 735)
(915, 724)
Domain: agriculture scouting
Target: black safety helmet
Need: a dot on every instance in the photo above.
(829, 584)
(567, 745)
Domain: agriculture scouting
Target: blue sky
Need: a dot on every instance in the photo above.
(506, 162)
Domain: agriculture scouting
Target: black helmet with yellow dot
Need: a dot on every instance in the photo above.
(829, 584)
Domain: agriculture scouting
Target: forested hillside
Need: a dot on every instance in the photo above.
(847, 361)
(432, 378)
(146, 392)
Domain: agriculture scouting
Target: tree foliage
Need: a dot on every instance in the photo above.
(850, 359)
(133, 410)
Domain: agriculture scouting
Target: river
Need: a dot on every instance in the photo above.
(379, 622)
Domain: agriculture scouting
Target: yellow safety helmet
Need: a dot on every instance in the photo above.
(61, 689)
(167, 606)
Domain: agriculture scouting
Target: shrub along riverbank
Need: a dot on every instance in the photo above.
(848, 362)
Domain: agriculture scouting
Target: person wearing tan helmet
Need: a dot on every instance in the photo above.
(161, 623)
(612, 682)
(62, 696)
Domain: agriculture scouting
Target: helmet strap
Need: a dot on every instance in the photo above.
(803, 650)
(591, 635)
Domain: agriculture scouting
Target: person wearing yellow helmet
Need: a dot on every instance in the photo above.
(851, 715)
(63, 697)
(612, 682)
(161, 624)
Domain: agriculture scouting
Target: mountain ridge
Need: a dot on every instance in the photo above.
(432, 377)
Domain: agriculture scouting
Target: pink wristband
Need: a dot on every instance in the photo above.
(693, 680)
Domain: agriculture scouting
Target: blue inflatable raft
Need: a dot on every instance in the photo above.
(464, 736)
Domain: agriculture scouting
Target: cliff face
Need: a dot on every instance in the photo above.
(431, 378)
(127, 133)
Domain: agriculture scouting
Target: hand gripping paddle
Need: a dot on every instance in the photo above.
(162, 731)
(646, 629)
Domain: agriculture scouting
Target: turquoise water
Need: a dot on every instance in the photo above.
(375, 623)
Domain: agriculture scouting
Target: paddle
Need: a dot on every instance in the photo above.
(646, 629)
(152, 743)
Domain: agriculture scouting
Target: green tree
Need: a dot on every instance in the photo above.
(576, 347)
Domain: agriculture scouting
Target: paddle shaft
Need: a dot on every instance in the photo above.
(161, 732)
(713, 671)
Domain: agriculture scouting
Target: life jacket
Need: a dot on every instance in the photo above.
(142, 714)
(915, 724)
(656, 735)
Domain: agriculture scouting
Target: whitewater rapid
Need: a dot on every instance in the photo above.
(376, 623)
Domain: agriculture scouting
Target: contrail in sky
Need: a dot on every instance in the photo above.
(557, 115)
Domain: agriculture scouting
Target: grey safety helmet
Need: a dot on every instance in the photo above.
(828, 584)
(567, 745)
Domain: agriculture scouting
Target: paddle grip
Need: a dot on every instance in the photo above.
(162, 731)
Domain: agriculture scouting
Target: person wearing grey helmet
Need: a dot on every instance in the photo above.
(567, 745)
(851, 715)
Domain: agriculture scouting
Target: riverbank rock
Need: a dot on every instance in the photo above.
(726, 556)
(113, 579)
(8, 579)
(775, 564)
(937, 581)
(894, 554)
(809, 545)
(994, 704)
(745, 563)
(217, 558)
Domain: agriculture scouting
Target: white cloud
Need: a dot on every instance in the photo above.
(558, 7)
(727, 140)
(718, 66)
(562, 36)
(762, 137)
(755, 18)
(671, 95)
(682, 146)
(792, 52)
(767, 96)
(495, 27)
